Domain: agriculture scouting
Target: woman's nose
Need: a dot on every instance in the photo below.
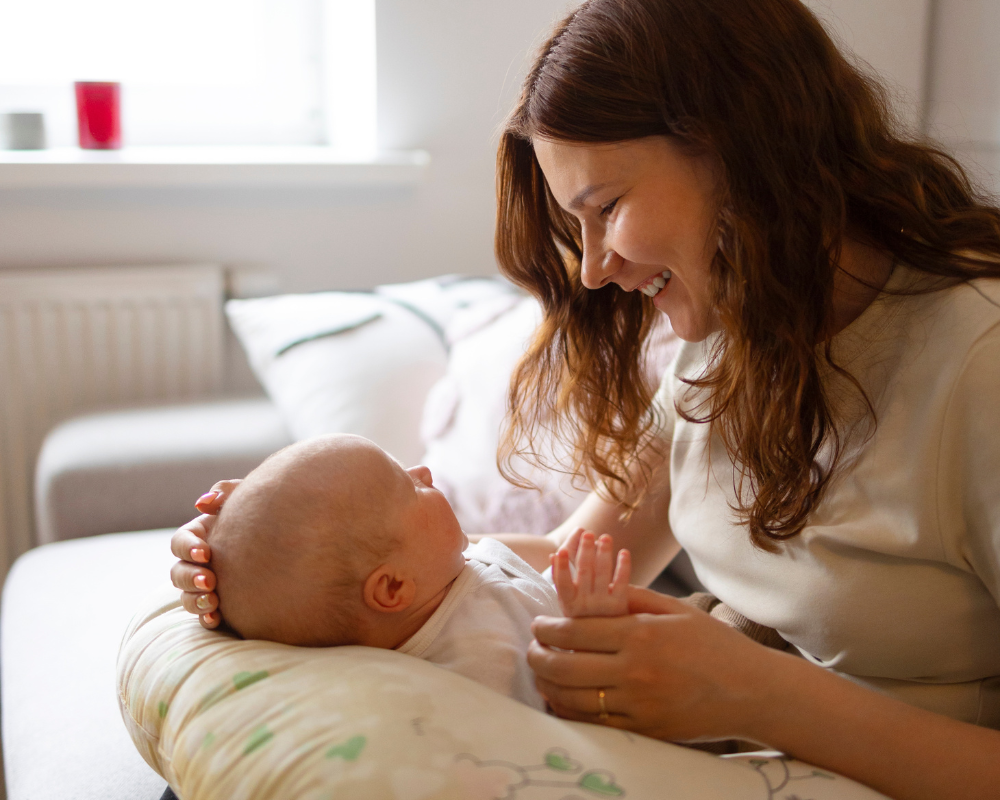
(599, 266)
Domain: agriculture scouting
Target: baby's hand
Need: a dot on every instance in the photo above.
(590, 590)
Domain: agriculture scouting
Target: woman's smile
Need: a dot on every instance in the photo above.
(651, 287)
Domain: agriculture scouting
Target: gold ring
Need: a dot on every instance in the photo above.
(603, 716)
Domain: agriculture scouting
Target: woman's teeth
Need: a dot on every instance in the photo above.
(652, 288)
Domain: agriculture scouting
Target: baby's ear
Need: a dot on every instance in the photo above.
(387, 591)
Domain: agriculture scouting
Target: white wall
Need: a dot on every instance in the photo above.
(892, 37)
(448, 72)
(964, 85)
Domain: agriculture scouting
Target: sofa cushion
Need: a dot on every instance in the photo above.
(65, 608)
(465, 416)
(353, 362)
(144, 468)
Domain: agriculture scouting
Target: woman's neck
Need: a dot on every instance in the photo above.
(861, 274)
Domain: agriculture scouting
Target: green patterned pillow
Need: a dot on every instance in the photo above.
(219, 717)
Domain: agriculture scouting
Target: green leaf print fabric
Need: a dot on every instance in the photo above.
(217, 716)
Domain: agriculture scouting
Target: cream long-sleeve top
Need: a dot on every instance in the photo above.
(482, 628)
(895, 581)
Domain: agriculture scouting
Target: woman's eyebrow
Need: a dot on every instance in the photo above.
(577, 202)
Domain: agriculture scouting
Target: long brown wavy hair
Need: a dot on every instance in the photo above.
(809, 152)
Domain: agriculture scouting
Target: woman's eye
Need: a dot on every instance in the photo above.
(605, 210)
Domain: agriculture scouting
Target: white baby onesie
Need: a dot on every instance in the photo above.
(482, 629)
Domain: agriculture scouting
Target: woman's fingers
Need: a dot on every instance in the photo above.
(190, 541)
(668, 670)
(570, 713)
(594, 634)
(582, 704)
(573, 669)
(211, 620)
(190, 544)
(200, 602)
(192, 578)
(213, 500)
(646, 601)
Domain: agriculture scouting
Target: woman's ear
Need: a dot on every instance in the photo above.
(387, 591)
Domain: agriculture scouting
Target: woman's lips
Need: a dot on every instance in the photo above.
(651, 286)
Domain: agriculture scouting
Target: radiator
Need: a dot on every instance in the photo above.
(73, 341)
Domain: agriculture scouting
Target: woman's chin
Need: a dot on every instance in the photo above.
(687, 326)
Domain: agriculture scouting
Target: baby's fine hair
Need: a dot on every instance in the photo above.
(294, 543)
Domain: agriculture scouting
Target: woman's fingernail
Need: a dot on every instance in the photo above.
(200, 582)
(210, 617)
(203, 602)
(198, 554)
(207, 498)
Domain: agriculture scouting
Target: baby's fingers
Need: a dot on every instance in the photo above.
(585, 557)
(603, 563)
(562, 577)
(572, 544)
(623, 574)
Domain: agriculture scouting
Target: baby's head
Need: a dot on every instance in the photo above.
(329, 542)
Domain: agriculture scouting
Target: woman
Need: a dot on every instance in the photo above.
(824, 447)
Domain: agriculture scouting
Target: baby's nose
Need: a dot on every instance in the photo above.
(423, 474)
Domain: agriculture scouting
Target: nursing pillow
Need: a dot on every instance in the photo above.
(220, 717)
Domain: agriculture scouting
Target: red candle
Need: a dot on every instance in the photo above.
(98, 115)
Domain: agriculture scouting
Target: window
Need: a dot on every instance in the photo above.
(198, 72)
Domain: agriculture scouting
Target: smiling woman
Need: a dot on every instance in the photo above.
(818, 448)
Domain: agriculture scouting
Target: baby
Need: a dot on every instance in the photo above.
(331, 542)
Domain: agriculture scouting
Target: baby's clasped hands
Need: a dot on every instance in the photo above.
(590, 582)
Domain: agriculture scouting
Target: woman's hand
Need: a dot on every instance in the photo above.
(667, 670)
(190, 545)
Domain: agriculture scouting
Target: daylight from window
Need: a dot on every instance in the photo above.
(198, 72)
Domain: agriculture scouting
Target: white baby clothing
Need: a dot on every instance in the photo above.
(482, 628)
(895, 581)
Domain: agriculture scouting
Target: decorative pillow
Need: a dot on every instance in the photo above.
(219, 717)
(465, 415)
(356, 362)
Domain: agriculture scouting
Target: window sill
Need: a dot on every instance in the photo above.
(206, 167)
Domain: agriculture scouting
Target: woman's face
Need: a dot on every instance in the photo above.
(647, 212)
